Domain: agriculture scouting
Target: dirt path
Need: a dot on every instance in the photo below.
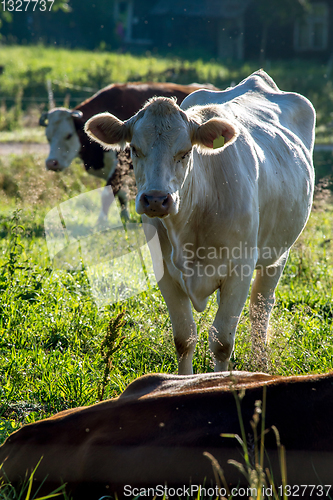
(21, 148)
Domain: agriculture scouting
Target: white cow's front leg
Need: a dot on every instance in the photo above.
(233, 294)
(183, 325)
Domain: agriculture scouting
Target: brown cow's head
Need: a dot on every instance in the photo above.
(62, 136)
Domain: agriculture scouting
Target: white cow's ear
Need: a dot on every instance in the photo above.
(206, 133)
(77, 114)
(108, 130)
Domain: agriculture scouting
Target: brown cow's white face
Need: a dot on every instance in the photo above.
(161, 137)
(63, 139)
(161, 151)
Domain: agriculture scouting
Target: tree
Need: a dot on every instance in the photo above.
(14, 15)
(282, 11)
(61, 5)
(4, 17)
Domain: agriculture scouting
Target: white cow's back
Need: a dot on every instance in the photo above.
(260, 100)
(269, 165)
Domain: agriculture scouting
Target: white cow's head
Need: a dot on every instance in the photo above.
(62, 136)
(161, 137)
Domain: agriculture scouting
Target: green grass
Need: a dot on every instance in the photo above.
(77, 74)
(23, 134)
(51, 330)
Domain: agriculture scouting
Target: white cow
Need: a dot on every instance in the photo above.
(221, 214)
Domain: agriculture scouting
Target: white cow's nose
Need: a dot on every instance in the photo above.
(156, 203)
(52, 165)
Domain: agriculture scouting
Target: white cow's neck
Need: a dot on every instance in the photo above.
(197, 196)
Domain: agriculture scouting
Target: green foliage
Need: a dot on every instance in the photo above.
(7, 492)
(11, 119)
(57, 349)
(51, 331)
(78, 74)
(278, 11)
(54, 352)
(111, 343)
(257, 476)
(61, 5)
(323, 161)
(282, 10)
(14, 250)
(4, 17)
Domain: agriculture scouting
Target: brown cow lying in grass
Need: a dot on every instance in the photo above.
(157, 431)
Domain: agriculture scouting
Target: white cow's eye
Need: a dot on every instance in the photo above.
(69, 136)
(134, 152)
(186, 155)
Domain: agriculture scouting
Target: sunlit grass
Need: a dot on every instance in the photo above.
(32, 134)
(51, 328)
(77, 74)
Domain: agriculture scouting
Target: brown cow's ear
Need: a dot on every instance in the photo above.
(108, 130)
(206, 133)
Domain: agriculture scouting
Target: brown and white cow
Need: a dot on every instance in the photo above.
(65, 130)
(156, 433)
(221, 214)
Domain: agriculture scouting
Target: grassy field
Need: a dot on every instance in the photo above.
(51, 329)
(77, 74)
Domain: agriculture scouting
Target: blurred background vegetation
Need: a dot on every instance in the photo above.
(81, 46)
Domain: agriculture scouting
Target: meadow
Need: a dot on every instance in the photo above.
(55, 347)
(77, 74)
